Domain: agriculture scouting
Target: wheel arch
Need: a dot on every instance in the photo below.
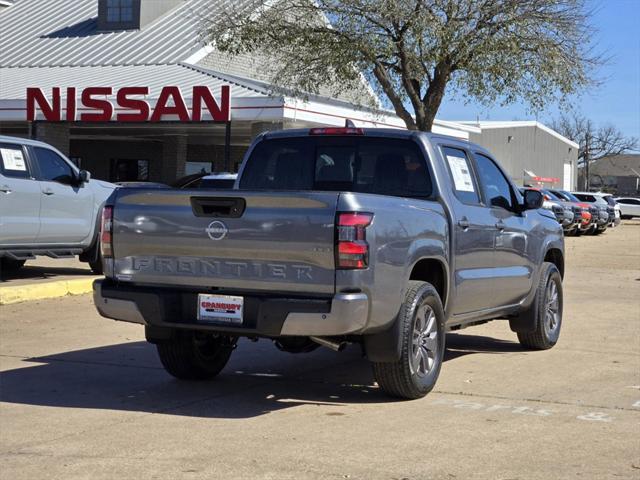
(556, 256)
(432, 270)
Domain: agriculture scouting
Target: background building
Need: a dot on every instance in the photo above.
(156, 44)
(617, 174)
(531, 152)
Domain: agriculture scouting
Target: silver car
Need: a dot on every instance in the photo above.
(47, 205)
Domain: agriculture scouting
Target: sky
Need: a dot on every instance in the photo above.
(616, 101)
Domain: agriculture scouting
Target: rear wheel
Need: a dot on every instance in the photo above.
(547, 309)
(423, 338)
(195, 355)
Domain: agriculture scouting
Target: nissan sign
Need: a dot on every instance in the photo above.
(95, 104)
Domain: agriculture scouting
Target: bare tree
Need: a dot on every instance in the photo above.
(415, 51)
(594, 141)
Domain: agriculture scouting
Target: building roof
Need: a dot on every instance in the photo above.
(623, 165)
(65, 33)
(14, 81)
(487, 124)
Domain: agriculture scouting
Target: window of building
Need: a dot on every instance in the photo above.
(130, 170)
(119, 11)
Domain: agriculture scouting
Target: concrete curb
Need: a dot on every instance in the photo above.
(45, 290)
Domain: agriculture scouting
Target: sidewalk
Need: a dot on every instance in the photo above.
(44, 278)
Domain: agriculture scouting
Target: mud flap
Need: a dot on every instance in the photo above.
(384, 346)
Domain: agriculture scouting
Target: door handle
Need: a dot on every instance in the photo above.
(500, 225)
(48, 191)
(463, 223)
(5, 189)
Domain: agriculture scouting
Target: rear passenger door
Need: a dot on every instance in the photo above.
(513, 262)
(19, 197)
(474, 236)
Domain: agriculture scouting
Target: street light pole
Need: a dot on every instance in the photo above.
(587, 141)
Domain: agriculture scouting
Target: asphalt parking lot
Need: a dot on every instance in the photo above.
(84, 397)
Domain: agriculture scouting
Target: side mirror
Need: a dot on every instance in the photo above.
(533, 200)
(83, 177)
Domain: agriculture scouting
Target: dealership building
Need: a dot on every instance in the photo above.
(128, 91)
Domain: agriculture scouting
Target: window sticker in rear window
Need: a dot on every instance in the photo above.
(12, 159)
(461, 174)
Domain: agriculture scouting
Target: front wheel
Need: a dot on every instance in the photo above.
(195, 355)
(547, 309)
(422, 336)
(10, 265)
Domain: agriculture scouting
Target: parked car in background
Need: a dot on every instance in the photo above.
(223, 181)
(614, 208)
(189, 181)
(47, 205)
(586, 221)
(383, 238)
(605, 212)
(141, 185)
(563, 213)
(629, 207)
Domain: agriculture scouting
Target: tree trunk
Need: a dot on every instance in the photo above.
(433, 98)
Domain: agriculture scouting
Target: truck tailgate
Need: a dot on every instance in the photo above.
(234, 239)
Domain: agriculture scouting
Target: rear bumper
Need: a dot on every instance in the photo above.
(264, 315)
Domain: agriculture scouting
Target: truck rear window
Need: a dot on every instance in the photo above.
(384, 166)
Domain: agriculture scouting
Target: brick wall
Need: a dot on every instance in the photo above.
(55, 134)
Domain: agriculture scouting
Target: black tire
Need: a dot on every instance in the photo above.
(9, 265)
(404, 378)
(195, 356)
(547, 330)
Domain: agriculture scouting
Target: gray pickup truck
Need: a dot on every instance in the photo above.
(332, 236)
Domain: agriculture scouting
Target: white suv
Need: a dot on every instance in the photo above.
(47, 205)
(629, 207)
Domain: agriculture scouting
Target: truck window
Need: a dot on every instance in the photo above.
(52, 167)
(384, 166)
(461, 175)
(495, 186)
(13, 162)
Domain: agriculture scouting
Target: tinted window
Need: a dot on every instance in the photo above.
(462, 180)
(551, 195)
(629, 201)
(495, 186)
(359, 164)
(13, 162)
(585, 198)
(53, 167)
(216, 183)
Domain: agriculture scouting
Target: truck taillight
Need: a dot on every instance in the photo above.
(337, 131)
(106, 230)
(352, 252)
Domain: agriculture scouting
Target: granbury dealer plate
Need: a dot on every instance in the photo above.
(220, 308)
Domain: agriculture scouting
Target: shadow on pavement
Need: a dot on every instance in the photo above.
(259, 379)
(35, 272)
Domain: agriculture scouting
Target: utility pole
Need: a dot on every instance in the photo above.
(587, 141)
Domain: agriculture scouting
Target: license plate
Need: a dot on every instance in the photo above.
(220, 308)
